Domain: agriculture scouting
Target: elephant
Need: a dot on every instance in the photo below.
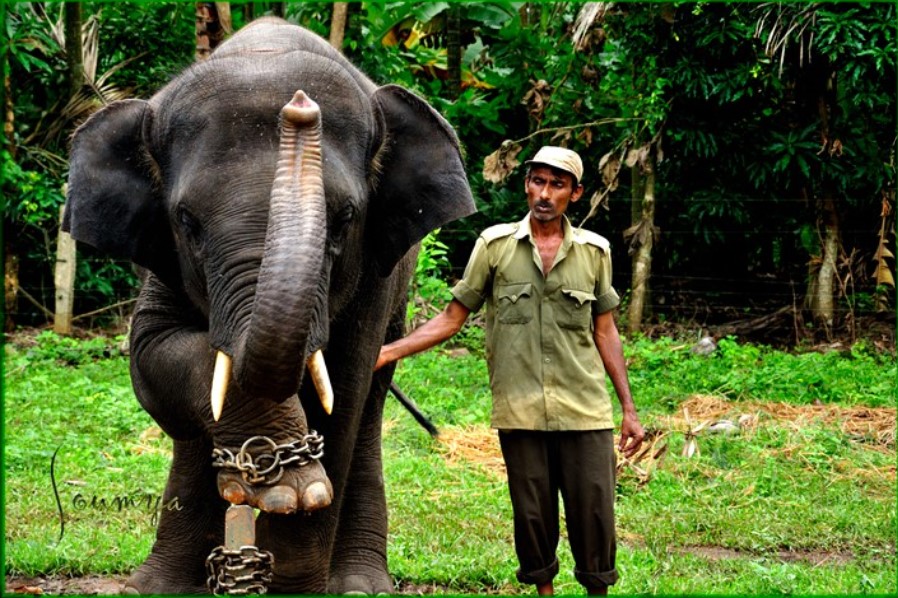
(275, 199)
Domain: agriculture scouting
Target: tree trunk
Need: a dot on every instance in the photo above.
(209, 30)
(530, 13)
(338, 24)
(9, 118)
(279, 9)
(453, 50)
(10, 285)
(74, 55)
(64, 281)
(822, 288)
(224, 19)
(642, 258)
(11, 259)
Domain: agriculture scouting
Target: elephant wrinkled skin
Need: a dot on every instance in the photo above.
(274, 197)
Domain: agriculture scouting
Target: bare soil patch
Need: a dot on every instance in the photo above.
(815, 557)
(89, 585)
(95, 585)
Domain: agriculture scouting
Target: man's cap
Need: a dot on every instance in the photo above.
(561, 158)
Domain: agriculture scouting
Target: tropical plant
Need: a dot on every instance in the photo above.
(45, 102)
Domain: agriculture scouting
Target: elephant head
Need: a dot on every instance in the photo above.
(195, 186)
(274, 194)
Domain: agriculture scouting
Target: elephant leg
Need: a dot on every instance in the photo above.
(304, 546)
(300, 544)
(359, 560)
(191, 524)
(300, 487)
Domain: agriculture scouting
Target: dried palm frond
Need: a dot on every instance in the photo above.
(590, 14)
(883, 269)
(97, 91)
(785, 22)
(499, 165)
(647, 459)
(90, 46)
(872, 426)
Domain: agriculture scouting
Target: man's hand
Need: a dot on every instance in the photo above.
(433, 332)
(383, 359)
(631, 434)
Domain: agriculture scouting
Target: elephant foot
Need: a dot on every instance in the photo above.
(157, 577)
(304, 488)
(368, 583)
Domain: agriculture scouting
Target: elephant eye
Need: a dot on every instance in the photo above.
(339, 226)
(189, 225)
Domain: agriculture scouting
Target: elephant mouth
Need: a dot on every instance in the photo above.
(315, 366)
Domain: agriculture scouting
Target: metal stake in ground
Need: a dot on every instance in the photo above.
(238, 567)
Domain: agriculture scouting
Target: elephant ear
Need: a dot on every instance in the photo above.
(112, 202)
(422, 183)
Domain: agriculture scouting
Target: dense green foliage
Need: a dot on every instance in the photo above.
(139, 47)
(755, 126)
(756, 512)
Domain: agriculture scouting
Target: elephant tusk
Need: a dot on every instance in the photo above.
(322, 381)
(220, 380)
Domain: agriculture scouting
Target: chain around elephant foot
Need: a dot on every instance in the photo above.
(276, 478)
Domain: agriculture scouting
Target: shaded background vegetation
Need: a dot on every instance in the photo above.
(740, 157)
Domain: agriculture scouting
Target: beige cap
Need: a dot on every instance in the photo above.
(559, 157)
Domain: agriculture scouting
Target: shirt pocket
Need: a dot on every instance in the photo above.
(576, 309)
(515, 303)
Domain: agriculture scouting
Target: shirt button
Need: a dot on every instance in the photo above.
(548, 360)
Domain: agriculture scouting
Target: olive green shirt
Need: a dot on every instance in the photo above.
(545, 369)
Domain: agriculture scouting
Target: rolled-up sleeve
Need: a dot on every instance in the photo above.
(471, 290)
(606, 297)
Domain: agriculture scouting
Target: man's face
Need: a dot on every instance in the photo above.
(549, 191)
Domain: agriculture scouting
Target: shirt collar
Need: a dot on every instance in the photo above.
(524, 230)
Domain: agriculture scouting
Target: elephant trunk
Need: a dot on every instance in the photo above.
(286, 297)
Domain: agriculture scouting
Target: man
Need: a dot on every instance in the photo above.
(551, 338)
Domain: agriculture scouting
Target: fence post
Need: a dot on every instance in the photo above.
(64, 280)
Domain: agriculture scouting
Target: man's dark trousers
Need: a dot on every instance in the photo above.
(581, 465)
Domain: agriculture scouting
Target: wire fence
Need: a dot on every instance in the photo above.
(703, 299)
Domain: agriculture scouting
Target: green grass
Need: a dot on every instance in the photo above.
(79, 405)
(781, 507)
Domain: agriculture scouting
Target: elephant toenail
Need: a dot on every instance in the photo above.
(280, 499)
(317, 496)
(234, 493)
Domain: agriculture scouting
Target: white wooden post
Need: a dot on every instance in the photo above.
(64, 280)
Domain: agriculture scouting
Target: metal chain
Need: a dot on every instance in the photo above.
(267, 468)
(239, 572)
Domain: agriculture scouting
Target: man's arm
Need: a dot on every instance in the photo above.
(442, 327)
(609, 345)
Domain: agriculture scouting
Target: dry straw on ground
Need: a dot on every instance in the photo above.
(699, 415)
(874, 426)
